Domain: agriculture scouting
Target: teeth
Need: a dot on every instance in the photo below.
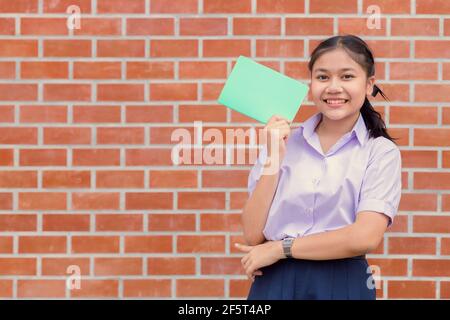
(335, 101)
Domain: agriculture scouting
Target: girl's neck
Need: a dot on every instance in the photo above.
(336, 128)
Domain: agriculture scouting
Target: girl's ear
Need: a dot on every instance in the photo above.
(370, 83)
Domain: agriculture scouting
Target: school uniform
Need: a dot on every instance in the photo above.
(319, 192)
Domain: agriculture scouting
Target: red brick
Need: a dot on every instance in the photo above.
(439, 49)
(96, 114)
(42, 244)
(95, 244)
(18, 6)
(7, 26)
(5, 200)
(148, 244)
(206, 244)
(226, 48)
(120, 92)
(412, 245)
(18, 179)
(151, 27)
(120, 135)
(96, 70)
(150, 70)
(6, 246)
(279, 48)
(117, 266)
(147, 288)
(205, 113)
(411, 289)
(171, 222)
(360, 26)
(96, 157)
(121, 6)
(42, 113)
(173, 179)
(67, 136)
(309, 26)
(227, 6)
(6, 288)
(431, 224)
(41, 288)
(174, 6)
(95, 201)
(119, 222)
(7, 68)
(120, 179)
(148, 157)
(202, 69)
(220, 222)
(59, 266)
(66, 222)
(18, 92)
(203, 26)
(414, 27)
(333, 6)
(67, 48)
(120, 48)
(418, 202)
(413, 115)
(387, 6)
(148, 200)
(6, 158)
(64, 92)
(432, 180)
(60, 6)
(280, 6)
(43, 26)
(173, 48)
(66, 179)
(200, 288)
(18, 222)
(201, 200)
(432, 7)
(256, 26)
(18, 48)
(222, 266)
(99, 27)
(97, 289)
(42, 201)
(173, 91)
(146, 114)
(18, 266)
(171, 266)
(431, 268)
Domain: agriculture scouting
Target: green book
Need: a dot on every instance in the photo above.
(260, 92)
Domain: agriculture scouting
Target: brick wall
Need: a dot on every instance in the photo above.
(86, 117)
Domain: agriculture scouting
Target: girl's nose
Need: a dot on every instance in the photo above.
(334, 87)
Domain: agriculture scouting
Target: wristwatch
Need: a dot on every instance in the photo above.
(287, 245)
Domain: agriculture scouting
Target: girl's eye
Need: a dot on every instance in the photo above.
(321, 77)
(348, 76)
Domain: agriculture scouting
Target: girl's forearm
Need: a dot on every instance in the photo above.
(336, 244)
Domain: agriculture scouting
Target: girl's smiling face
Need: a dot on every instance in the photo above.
(339, 85)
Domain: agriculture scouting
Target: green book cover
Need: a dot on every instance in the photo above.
(260, 92)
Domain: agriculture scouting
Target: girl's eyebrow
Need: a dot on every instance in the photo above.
(325, 70)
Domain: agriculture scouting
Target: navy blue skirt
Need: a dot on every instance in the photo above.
(296, 279)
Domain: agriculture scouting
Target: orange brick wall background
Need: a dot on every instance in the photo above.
(86, 115)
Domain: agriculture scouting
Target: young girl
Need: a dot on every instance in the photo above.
(335, 192)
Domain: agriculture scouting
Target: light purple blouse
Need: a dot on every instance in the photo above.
(320, 192)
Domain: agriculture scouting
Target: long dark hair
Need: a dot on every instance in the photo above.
(360, 52)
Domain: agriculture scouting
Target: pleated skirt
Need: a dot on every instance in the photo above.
(296, 279)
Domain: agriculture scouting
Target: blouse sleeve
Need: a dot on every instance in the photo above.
(382, 184)
(256, 171)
